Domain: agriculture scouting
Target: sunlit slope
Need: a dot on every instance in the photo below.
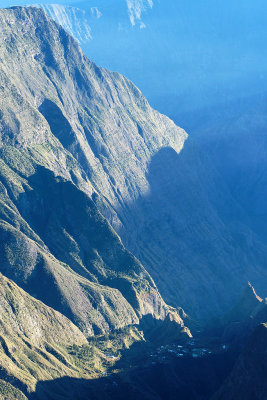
(63, 116)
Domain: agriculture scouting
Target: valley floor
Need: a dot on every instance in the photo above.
(192, 370)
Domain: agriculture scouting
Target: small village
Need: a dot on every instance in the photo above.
(165, 354)
(191, 348)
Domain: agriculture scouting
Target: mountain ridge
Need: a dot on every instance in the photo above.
(89, 170)
(95, 128)
(40, 94)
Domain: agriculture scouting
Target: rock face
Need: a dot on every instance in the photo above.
(99, 116)
(67, 131)
(248, 378)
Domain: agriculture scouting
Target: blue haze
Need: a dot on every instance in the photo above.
(192, 55)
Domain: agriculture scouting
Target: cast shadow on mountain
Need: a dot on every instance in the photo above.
(144, 379)
(192, 236)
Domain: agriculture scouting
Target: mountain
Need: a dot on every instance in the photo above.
(249, 312)
(193, 227)
(241, 162)
(34, 340)
(71, 295)
(186, 57)
(248, 378)
(235, 327)
(95, 128)
(245, 307)
(38, 345)
(199, 205)
(57, 150)
(89, 171)
(242, 331)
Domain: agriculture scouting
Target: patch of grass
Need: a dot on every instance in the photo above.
(9, 392)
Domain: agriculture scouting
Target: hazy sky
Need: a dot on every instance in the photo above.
(200, 51)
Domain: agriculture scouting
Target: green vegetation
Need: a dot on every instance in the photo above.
(9, 392)
(60, 118)
(39, 344)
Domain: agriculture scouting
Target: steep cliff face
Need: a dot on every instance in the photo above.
(96, 129)
(99, 116)
(61, 113)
